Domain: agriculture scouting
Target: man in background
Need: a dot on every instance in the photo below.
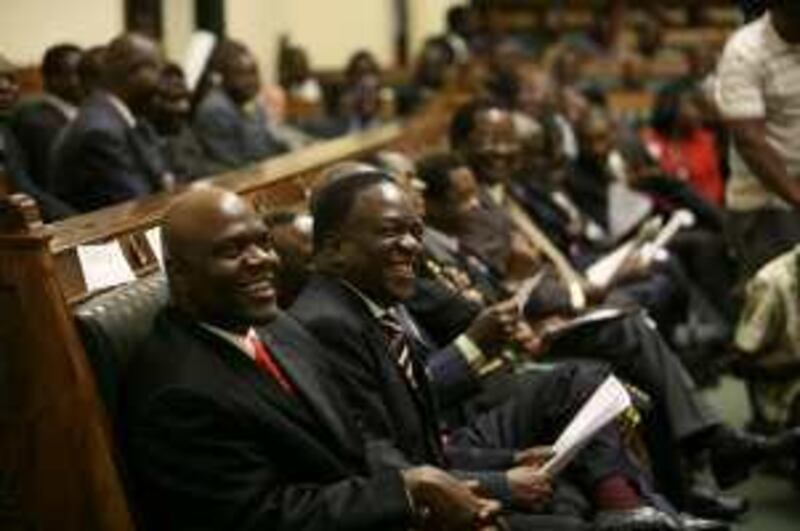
(37, 123)
(109, 153)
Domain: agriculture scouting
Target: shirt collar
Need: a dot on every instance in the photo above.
(375, 309)
(64, 107)
(237, 340)
(123, 109)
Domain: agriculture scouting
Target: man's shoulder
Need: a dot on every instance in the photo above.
(750, 41)
(326, 307)
(215, 103)
(97, 118)
(782, 271)
(173, 355)
(35, 112)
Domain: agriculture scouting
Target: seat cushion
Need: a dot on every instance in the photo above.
(113, 325)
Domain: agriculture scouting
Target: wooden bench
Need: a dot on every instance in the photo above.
(57, 467)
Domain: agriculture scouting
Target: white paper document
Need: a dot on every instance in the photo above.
(626, 209)
(153, 237)
(609, 400)
(104, 266)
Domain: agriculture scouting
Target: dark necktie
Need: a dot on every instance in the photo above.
(267, 364)
(399, 347)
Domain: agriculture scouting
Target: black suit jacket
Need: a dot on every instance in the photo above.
(387, 411)
(36, 125)
(99, 160)
(401, 425)
(213, 443)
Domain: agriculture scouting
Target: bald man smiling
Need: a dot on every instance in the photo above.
(229, 422)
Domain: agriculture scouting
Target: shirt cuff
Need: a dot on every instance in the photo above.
(471, 352)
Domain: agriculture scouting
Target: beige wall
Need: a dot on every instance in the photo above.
(331, 30)
(178, 27)
(28, 27)
(426, 18)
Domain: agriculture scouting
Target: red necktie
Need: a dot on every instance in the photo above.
(266, 363)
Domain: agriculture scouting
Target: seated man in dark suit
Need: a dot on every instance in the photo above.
(169, 114)
(13, 162)
(229, 421)
(630, 343)
(37, 123)
(230, 121)
(366, 242)
(110, 154)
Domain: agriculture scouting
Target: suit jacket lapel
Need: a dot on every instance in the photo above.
(309, 387)
(262, 385)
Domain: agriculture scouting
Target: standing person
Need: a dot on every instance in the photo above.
(37, 123)
(229, 420)
(109, 153)
(758, 95)
(230, 121)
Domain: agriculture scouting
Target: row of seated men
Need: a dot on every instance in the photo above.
(368, 400)
(114, 123)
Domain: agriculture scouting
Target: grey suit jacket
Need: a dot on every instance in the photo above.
(99, 159)
(231, 136)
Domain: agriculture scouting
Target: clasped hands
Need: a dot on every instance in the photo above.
(444, 503)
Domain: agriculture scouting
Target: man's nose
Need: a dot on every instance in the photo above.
(258, 256)
(411, 243)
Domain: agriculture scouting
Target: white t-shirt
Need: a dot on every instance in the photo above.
(759, 77)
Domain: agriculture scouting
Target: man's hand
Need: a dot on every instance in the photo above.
(442, 502)
(529, 341)
(494, 326)
(536, 456)
(530, 488)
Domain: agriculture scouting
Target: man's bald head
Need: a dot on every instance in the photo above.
(196, 213)
(132, 64)
(219, 259)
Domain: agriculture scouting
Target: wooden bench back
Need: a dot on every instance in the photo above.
(57, 453)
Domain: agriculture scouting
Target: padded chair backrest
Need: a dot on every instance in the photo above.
(113, 325)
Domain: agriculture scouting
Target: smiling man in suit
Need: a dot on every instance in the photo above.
(109, 154)
(229, 421)
(366, 244)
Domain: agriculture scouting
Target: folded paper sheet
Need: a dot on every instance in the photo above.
(609, 400)
(104, 265)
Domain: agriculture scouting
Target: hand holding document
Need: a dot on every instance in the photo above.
(609, 400)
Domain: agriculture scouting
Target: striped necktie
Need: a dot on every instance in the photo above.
(399, 347)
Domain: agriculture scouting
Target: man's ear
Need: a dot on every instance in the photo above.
(176, 274)
(331, 256)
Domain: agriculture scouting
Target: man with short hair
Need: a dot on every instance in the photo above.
(169, 113)
(758, 96)
(13, 161)
(230, 121)
(366, 242)
(229, 419)
(629, 343)
(37, 123)
(109, 153)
